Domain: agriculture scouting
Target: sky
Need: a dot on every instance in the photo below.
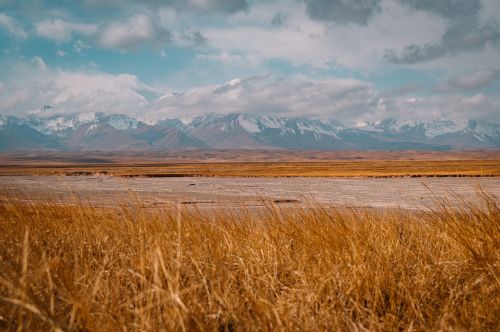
(348, 60)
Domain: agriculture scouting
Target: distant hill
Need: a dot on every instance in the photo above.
(95, 131)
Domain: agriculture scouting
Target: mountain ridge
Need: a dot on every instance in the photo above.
(114, 132)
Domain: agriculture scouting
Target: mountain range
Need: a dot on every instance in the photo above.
(98, 131)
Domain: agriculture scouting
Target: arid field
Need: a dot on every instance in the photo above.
(256, 164)
(353, 245)
(75, 267)
(414, 193)
(250, 165)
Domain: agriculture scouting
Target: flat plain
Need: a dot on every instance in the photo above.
(348, 242)
(250, 192)
(256, 164)
(410, 179)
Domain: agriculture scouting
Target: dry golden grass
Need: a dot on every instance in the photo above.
(220, 156)
(91, 269)
(364, 168)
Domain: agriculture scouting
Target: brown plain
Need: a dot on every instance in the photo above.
(75, 267)
(256, 163)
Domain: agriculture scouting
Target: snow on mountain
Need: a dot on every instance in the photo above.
(436, 128)
(257, 124)
(171, 123)
(288, 126)
(122, 122)
(237, 130)
(271, 122)
(231, 88)
(60, 123)
(483, 130)
(318, 127)
(201, 120)
(186, 120)
(428, 128)
(91, 128)
(250, 123)
(86, 117)
(367, 125)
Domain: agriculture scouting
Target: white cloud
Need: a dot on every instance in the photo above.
(454, 106)
(341, 98)
(79, 46)
(29, 87)
(129, 35)
(302, 41)
(62, 31)
(262, 44)
(251, 35)
(125, 35)
(224, 57)
(490, 10)
(40, 63)
(70, 91)
(200, 6)
(471, 81)
(12, 26)
(343, 12)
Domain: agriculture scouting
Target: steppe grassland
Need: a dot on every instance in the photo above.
(78, 267)
(364, 168)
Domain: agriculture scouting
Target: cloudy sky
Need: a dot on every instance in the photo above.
(342, 59)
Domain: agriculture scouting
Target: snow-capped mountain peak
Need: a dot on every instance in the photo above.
(426, 128)
(58, 123)
(248, 131)
(122, 122)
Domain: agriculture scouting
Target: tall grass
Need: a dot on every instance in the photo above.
(94, 269)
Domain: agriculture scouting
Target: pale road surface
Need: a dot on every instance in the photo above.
(205, 192)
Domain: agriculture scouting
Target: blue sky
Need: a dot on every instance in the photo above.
(342, 59)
